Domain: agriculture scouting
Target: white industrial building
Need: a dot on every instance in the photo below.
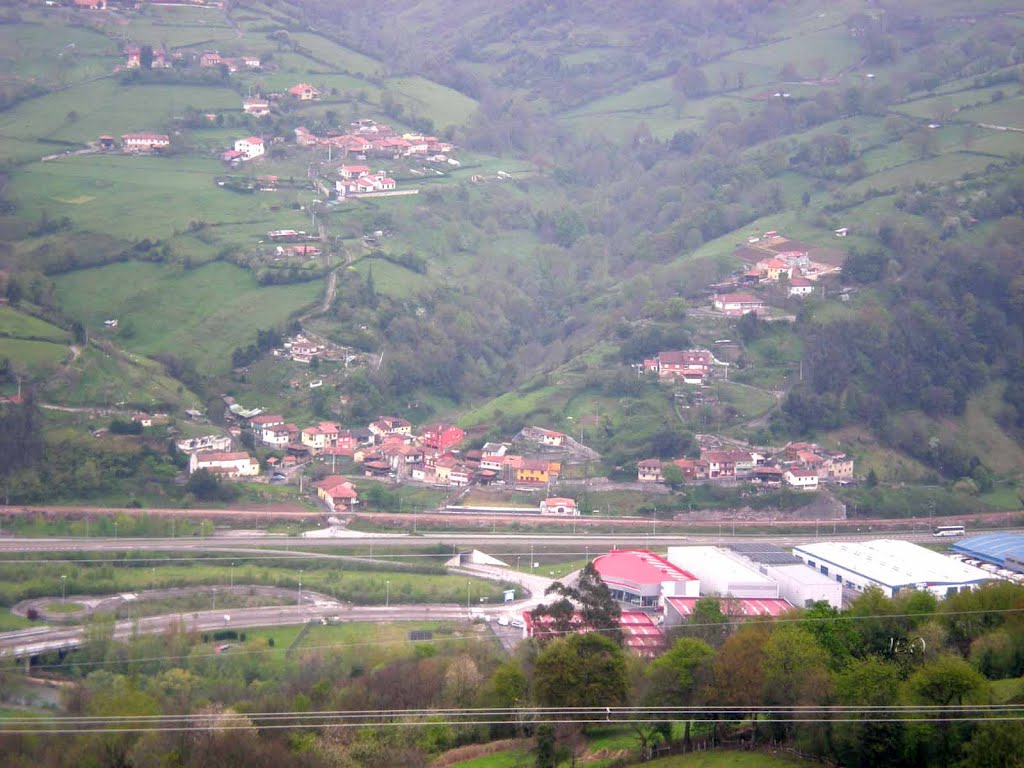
(723, 574)
(892, 565)
(800, 585)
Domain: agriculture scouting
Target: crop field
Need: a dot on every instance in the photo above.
(201, 314)
(98, 192)
(17, 325)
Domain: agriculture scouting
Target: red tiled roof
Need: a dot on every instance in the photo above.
(732, 606)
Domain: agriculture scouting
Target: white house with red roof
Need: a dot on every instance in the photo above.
(353, 171)
(144, 142)
(640, 577)
(737, 304)
(680, 363)
(800, 286)
(238, 464)
(801, 479)
(250, 148)
(337, 493)
(559, 506)
(257, 106)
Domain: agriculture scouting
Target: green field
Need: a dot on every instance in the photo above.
(17, 325)
(100, 192)
(37, 357)
(341, 58)
(81, 114)
(942, 168)
(201, 314)
(106, 375)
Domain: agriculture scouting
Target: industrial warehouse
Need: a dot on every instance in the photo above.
(1005, 551)
(891, 565)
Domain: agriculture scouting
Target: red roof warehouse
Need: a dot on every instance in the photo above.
(640, 577)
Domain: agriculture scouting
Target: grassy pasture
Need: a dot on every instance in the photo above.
(443, 105)
(342, 58)
(101, 376)
(38, 357)
(17, 325)
(202, 314)
(98, 192)
(107, 107)
(1008, 112)
(181, 27)
(940, 107)
(53, 53)
(817, 54)
(942, 168)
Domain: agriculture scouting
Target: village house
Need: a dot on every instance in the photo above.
(559, 506)
(144, 142)
(258, 422)
(350, 172)
(737, 304)
(204, 443)
(770, 477)
(298, 252)
(649, 471)
(250, 148)
(91, 5)
(773, 269)
(266, 183)
(720, 464)
(305, 137)
(304, 92)
(257, 107)
(337, 493)
(537, 471)
(441, 437)
(209, 59)
(800, 286)
(553, 439)
(279, 435)
(229, 465)
(801, 479)
(678, 363)
(460, 475)
(388, 425)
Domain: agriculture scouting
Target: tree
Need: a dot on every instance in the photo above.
(945, 681)
(590, 599)
(146, 56)
(868, 743)
(580, 671)
(995, 745)
(674, 676)
(673, 476)
(795, 671)
(738, 669)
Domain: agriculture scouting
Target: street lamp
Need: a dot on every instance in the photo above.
(232, 575)
(152, 578)
(299, 601)
(587, 547)
(115, 530)
(468, 585)
(63, 582)
(387, 594)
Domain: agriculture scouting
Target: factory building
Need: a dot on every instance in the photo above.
(722, 573)
(641, 578)
(1005, 550)
(892, 565)
(800, 585)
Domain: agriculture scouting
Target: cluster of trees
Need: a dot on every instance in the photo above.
(907, 652)
(953, 323)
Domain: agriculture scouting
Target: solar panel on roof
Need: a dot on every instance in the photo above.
(767, 554)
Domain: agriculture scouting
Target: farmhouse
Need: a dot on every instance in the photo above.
(800, 286)
(232, 465)
(257, 107)
(250, 148)
(801, 479)
(204, 443)
(337, 493)
(144, 142)
(649, 471)
(304, 92)
(441, 437)
(737, 304)
(559, 506)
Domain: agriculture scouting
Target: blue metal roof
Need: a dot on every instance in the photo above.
(992, 547)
